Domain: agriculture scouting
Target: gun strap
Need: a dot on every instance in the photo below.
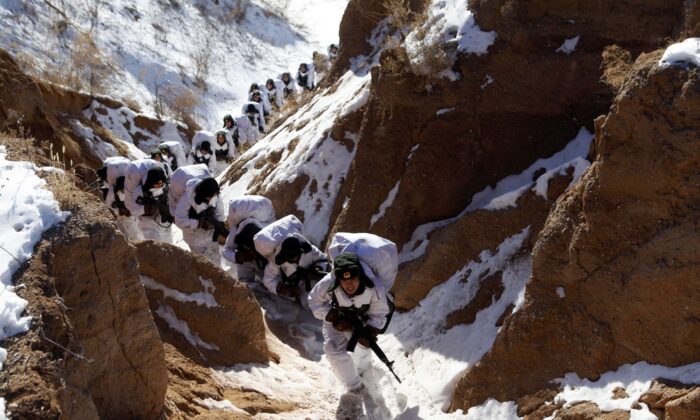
(392, 307)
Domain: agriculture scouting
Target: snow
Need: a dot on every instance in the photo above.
(225, 405)
(687, 51)
(27, 209)
(561, 292)
(164, 41)
(385, 205)
(487, 82)
(634, 378)
(568, 46)
(494, 410)
(167, 314)
(205, 298)
(317, 155)
(444, 111)
(449, 22)
(507, 192)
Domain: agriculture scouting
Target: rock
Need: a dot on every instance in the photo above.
(590, 411)
(686, 407)
(93, 350)
(227, 320)
(619, 393)
(531, 403)
(624, 248)
(490, 290)
(663, 391)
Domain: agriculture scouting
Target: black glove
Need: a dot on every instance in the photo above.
(342, 324)
(204, 224)
(149, 210)
(287, 290)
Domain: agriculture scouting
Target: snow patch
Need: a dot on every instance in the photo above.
(506, 193)
(204, 298)
(492, 409)
(167, 314)
(634, 378)
(435, 359)
(444, 111)
(487, 82)
(385, 205)
(687, 51)
(27, 209)
(561, 292)
(569, 46)
(225, 405)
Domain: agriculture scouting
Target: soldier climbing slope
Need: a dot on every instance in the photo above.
(112, 175)
(224, 153)
(293, 264)
(352, 301)
(200, 215)
(247, 215)
(146, 198)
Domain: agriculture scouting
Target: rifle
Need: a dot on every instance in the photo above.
(208, 216)
(360, 330)
(160, 203)
(307, 275)
(119, 206)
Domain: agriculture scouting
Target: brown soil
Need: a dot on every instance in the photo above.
(609, 242)
(235, 325)
(93, 349)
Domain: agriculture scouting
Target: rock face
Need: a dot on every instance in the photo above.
(221, 315)
(623, 244)
(427, 145)
(95, 348)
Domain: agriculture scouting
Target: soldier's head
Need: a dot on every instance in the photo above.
(221, 137)
(156, 155)
(256, 96)
(164, 150)
(286, 77)
(291, 250)
(228, 122)
(155, 181)
(270, 84)
(206, 190)
(349, 274)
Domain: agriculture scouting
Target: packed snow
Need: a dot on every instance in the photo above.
(155, 47)
(569, 46)
(27, 209)
(687, 51)
(429, 359)
(507, 192)
(225, 405)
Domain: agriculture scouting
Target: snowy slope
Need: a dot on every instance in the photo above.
(27, 209)
(157, 43)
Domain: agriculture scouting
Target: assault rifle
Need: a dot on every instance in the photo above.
(307, 275)
(208, 217)
(119, 206)
(160, 203)
(359, 330)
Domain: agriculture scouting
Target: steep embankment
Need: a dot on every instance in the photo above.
(76, 129)
(443, 118)
(615, 268)
(93, 349)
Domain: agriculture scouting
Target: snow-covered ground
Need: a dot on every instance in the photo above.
(27, 209)
(428, 358)
(156, 45)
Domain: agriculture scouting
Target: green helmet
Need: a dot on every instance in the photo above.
(164, 147)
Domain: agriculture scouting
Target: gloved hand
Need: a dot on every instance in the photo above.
(364, 341)
(332, 316)
(124, 212)
(149, 210)
(342, 324)
(287, 290)
(204, 224)
(221, 239)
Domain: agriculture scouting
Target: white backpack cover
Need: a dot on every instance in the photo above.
(271, 236)
(202, 136)
(177, 150)
(376, 254)
(178, 182)
(250, 206)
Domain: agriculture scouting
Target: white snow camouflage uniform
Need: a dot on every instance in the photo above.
(128, 225)
(178, 182)
(135, 177)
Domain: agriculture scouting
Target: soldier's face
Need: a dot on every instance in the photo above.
(350, 285)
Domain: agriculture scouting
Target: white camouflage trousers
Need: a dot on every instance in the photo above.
(129, 226)
(199, 241)
(347, 366)
(154, 231)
